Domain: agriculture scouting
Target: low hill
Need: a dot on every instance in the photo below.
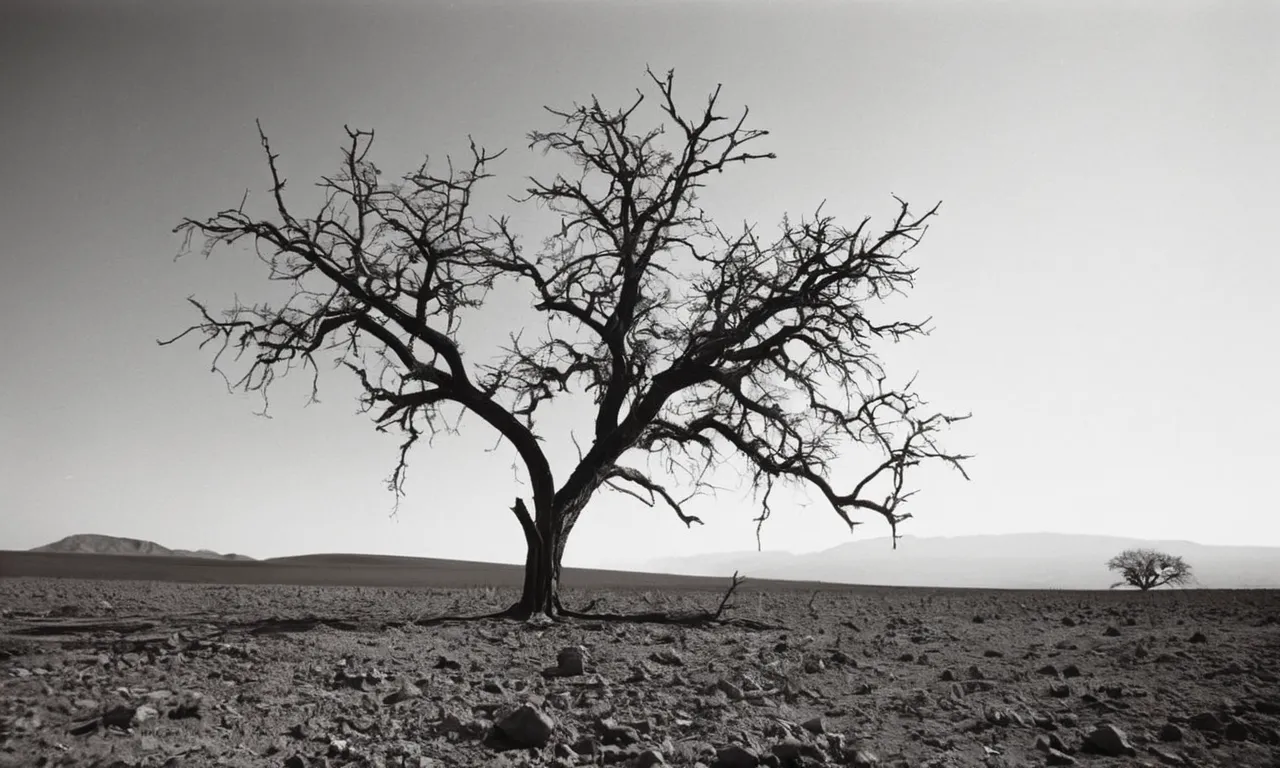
(98, 544)
(346, 570)
(1012, 561)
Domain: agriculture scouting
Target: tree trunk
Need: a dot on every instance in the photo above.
(541, 593)
(545, 539)
(541, 582)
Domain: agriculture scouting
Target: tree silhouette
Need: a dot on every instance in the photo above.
(1147, 569)
(694, 344)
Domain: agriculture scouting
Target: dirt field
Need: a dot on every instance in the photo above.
(148, 673)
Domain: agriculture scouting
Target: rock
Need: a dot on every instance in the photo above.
(1198, 637)
(1108, 740)
(732, 691)
(815, 726)
(144, 714)
(527, 726)
(570, 662)
(1056, 757)
(947, 675)
(1205, 721)
(667, 657)
(188, 706)
(862, 758)
(404, 748)
(648, 759)
(1067, 621)
(1048, 669)
(1236, 731)
(1111, 631)
(119, 716)
(1060, 690)
(1170, 732)
(1168, 758)
(1071, 670)
(612, 754)
(585, 746)
(405, 692)
(638, 674)
(735, 756)
(618, 735)
(787, 750)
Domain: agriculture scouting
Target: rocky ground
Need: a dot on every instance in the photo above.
(133, 674)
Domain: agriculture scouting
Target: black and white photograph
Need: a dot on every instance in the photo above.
(640, 383)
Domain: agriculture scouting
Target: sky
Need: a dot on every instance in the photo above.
(1101, 277)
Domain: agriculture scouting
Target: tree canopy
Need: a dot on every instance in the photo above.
(692, 343)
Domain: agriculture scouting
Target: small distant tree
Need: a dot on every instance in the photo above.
(1147, 569)
(692, 343)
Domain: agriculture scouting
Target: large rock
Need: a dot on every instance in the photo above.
(734, 756)
(405, 692)
(862, 758)
(1206, 721)
(1109, 740)
(611, 733)
(1056, 757)
(570, 662)
(1170, 732)
(527, 726)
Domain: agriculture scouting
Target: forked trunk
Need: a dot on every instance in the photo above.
(545, 538)
(541, 593)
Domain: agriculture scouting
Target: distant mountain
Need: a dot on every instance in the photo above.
(97, 544)
(1010, 561)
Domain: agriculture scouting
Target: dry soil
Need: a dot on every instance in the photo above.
(145, 673)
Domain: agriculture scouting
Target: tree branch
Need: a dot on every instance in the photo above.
(640, 479)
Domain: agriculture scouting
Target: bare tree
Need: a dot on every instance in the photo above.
(693, 343)
(1147, 569)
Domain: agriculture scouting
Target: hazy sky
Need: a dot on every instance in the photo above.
(1102, 278)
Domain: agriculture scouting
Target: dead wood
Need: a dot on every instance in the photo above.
(681, 618)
